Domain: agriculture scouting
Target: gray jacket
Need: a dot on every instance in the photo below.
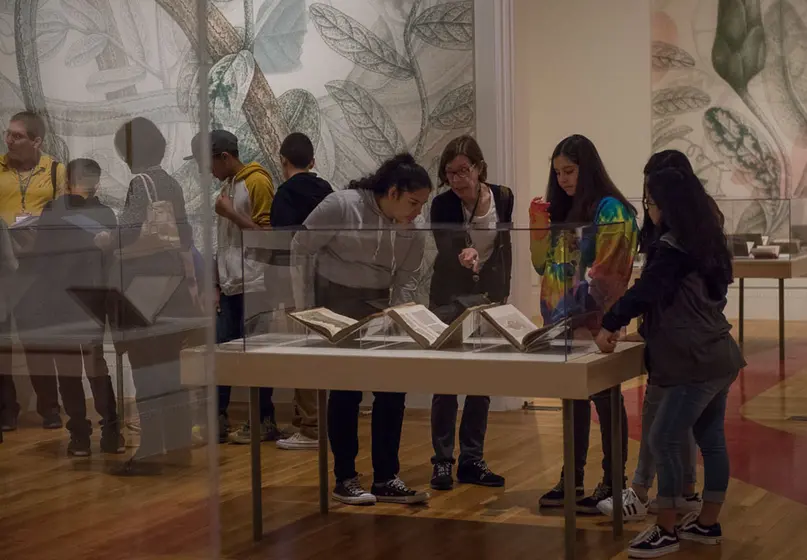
(348, 241)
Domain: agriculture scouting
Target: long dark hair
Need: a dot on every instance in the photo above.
(668, 159)
(593, 183)
(401, 171)
(687, 214)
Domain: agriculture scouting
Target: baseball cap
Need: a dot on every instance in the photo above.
(220, 141)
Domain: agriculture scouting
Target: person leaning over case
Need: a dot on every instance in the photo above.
(477, 262)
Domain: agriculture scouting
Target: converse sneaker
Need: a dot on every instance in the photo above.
(633, 509)
(589, 504)
(654, 542)
(351, 493)
(554, 498)
(79, 446)
(441, 476)
(269, 432)
(477, 472)
(691, 529)
(691, 503)
(298, 442)
(396, 492)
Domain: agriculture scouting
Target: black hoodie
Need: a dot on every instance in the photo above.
(296, 199)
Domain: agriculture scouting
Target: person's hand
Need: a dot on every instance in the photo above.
(606, 341)
(224, 205)
(217, 298)
(469, 258)
(103, 240)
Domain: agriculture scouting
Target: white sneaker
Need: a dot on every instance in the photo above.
(297, 442)
(691, 503)
(632, 507)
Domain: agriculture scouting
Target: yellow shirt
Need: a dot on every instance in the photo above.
(40, 189)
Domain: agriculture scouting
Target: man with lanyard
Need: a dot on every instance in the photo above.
(29, 179)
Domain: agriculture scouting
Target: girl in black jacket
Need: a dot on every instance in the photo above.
(474, 260)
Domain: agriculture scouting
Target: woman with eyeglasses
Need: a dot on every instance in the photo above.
(473, 260)
(582, 277)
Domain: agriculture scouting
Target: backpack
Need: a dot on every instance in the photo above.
(159, 231)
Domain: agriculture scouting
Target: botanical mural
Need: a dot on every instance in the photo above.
(730, 90)
(363, 78)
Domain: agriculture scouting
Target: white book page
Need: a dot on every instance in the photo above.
(328, 320)
(422, 321)
(512, 320)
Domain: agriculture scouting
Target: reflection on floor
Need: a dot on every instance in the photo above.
(55, 508)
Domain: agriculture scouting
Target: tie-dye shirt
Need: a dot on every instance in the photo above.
(586, 269)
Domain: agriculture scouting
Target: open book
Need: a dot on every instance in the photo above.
(333, 326)
(522, 333)
(427, 329)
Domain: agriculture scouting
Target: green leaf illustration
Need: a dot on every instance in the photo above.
(85, 50)
(679, 100)
(368, 120)
(666, 56)
(448, 26)
(738, 52)
(229, 82)
(300, 110)
(742, 147)
(455, 109)
(355, 42)
(281, 28)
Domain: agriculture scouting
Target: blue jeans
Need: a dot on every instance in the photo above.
(646, 466)
(701, 408)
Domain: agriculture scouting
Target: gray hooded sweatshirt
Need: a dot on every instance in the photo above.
(350, 242)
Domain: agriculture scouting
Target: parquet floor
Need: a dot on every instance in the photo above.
(52, 507)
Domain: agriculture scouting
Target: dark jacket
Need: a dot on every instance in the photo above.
(450, 279)
(687, 337)
(63, 255)
(296, 199)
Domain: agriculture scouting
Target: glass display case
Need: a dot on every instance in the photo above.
(406, 289)
(765, 229)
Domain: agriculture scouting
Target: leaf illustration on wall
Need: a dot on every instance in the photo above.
(84, 15)
(669, 135)
(300, 110)
(368, 120)
(355, 42)
(666, 56)
(738, 53)
(661, 124)
(785, 72)
(281, 27)
(136, 27)
(752, 220)
(51, 34)
(448, 26)
(741, 146)
(115, 79)
(455, 109)
(229, 82)
(85, 50)
(679, 100)
(188, 86)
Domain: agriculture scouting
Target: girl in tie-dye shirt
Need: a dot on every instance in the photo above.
(586, 267)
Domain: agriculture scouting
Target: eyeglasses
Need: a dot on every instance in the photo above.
(648, 204)
(463, 173)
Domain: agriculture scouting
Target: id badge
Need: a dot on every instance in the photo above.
(21, 217)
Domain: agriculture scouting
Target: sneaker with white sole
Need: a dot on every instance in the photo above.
(691, 529)
(395, 491)
(654, 542)
(269, 432)
(633, 509)
(350, 492)
(298, 442)
(691, 503)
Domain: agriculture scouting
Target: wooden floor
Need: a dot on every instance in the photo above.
(52, 507)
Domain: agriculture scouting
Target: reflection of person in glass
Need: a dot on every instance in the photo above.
(583, 277)
(354, 267)
(474, 261)
(162, 403)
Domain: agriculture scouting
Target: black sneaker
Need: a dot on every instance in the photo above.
(52, 422)
(350, 492)
(690, 529)
(654, 542)
(554, 498)
(478, 473)
(79, 446)
(396, 492)
(112, 442)
(441, 476)
(8, 424)
(589, 503)
(224, 428)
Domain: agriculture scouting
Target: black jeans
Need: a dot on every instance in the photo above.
(582, 429)
(9, 408)
(230, 326)
(343, 406)
(473, 427)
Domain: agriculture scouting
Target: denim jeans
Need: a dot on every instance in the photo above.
(646, 466)
(700, 408)
(473, 426)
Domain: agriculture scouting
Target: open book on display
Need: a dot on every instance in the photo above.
(333, 326)
(522, 333)
(427, 329)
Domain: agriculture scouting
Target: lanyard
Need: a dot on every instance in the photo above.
(468, 241)
(24, 189)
